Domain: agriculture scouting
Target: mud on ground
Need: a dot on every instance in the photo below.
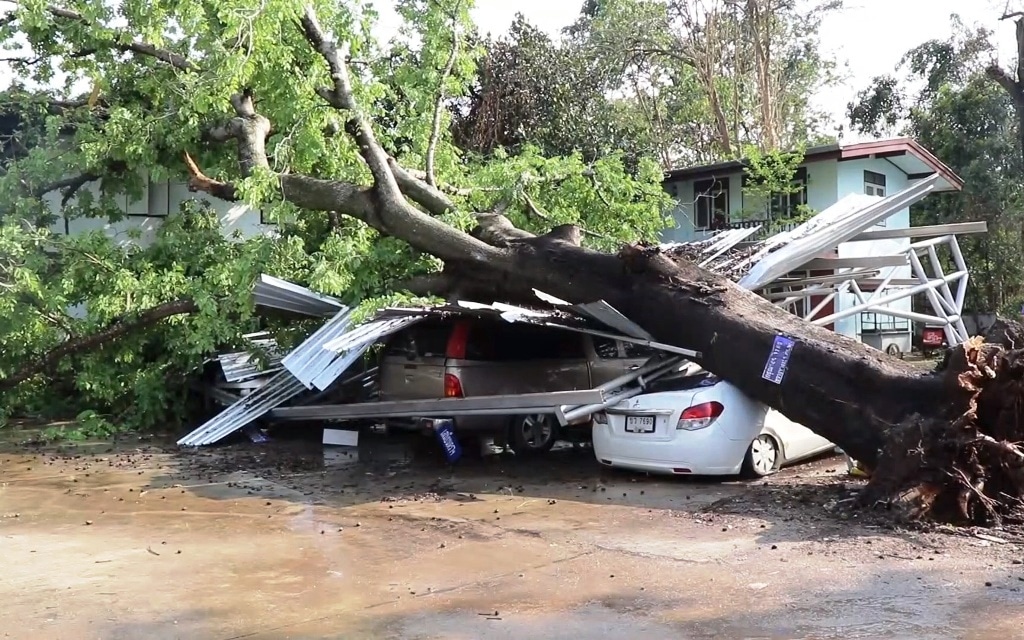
(289, 540)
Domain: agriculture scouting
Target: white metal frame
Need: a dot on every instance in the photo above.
(945, 292)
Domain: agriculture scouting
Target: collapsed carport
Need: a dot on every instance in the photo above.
(330, 358)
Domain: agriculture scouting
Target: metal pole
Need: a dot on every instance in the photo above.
(928, 286)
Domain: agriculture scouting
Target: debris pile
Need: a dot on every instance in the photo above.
(329, 368)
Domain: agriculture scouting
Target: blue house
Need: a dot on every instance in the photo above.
(712, 197)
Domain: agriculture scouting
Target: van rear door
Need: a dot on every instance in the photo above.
(502, 357)
(606, 361)
(412, 365)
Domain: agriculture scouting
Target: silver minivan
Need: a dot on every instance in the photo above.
(465, 357)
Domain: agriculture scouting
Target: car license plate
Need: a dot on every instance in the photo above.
(640, 424)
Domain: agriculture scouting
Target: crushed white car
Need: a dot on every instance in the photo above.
(698, 424)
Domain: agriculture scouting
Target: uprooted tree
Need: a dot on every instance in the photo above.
(947, 439)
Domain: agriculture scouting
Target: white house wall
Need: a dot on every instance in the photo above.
(822, 193)
(850, 179)
(146, 214)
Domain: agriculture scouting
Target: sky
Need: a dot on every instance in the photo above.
(867, 36)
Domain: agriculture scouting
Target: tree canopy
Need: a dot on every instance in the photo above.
(943, 95)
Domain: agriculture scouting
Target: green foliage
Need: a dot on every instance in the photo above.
(126, 117)
(702, 80)
(768, 175)
(60, 288)
(969, 122)
(88, 425)
(771, 172)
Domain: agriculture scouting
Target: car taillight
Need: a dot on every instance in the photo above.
(700, 416)
(600, 418)
(452, 386)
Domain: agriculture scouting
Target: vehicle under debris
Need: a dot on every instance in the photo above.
(521, 379)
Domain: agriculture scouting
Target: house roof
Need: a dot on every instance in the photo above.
(905, 154)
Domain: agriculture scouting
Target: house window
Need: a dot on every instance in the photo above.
(874, 183)
(780, 205)
(711, 204)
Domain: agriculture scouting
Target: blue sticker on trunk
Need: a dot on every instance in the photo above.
(445, 430)
(778, 359)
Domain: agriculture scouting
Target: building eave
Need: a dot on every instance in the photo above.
(863, 150)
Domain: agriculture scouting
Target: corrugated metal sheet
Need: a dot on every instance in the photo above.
(353, 344)
(280, 294)
(511, 313)
(609, 316)
(310, 358)
(243, 365)
(278, 390)
(829, 229)
(724, 243)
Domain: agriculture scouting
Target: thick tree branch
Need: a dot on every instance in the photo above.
(395, 216)
(118, 329)
(435, 126)
(68, 186)
(1007, 82)
(123, 41)
(342, 96)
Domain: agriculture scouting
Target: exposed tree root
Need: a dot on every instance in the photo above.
(966, 467)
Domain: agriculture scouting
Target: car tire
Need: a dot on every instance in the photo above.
(762, 457)
(533, 434)
(894, 350)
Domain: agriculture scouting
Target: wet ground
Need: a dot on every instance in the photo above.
(283, 540)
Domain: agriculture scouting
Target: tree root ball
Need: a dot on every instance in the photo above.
(966, 467)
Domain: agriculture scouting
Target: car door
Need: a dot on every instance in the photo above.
(412, 364)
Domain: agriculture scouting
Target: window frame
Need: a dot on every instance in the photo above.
(779, 205)
(707, 192)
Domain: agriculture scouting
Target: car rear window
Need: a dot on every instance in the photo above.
(427, 339)
(505, 341)
(683, 382)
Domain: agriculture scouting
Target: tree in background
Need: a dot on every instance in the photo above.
(712, 77)
(686, 81)
(948, 102)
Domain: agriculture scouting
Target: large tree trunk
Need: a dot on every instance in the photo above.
(842, 389)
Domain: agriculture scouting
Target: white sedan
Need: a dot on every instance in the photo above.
(700, 425)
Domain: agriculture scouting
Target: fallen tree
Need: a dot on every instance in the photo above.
(856, 396)
(944, 442)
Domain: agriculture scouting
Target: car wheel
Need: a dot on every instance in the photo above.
(535, 433)
(762, 457)
(894, 350)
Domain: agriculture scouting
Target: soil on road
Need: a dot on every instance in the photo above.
(289, 540)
